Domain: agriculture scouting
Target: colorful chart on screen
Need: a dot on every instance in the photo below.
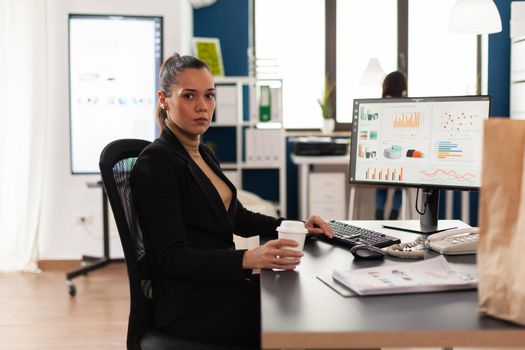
(434, 141)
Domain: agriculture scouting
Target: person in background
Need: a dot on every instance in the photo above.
(394, 86)
(203, 288)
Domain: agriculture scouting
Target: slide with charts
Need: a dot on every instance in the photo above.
(113, 68)
(436, 142)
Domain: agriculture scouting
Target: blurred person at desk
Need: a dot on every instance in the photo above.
(203, 288)
(394, 86)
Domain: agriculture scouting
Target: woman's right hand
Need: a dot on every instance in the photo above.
(273, 255)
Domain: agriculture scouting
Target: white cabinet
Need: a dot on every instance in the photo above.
(326, 195)
(250, 146)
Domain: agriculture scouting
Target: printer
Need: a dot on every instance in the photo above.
(320, 146)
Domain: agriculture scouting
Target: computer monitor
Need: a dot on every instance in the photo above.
(431, 143)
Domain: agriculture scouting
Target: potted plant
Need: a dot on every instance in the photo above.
(326, 107)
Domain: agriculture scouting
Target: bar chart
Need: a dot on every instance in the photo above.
(385, 174)
(406, 120)
(448, 149)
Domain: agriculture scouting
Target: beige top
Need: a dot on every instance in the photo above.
(191, 144)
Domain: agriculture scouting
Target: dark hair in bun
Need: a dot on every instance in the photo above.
(168, 76)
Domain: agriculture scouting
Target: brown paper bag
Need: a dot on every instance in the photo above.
(501, 251)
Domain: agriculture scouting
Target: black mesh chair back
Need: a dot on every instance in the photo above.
(116, 163)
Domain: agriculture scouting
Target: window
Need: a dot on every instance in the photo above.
(440, 63)
(365, 29)
(292, 33)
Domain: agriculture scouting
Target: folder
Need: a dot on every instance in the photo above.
(264, 104)
(276, 105)
(226, 110)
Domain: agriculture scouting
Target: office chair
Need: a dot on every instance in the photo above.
(116, 162)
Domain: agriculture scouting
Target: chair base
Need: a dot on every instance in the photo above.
(89, 263)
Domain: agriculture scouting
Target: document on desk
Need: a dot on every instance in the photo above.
(425, 276)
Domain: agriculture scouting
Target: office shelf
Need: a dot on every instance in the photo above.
(235, 135)
(259, 166)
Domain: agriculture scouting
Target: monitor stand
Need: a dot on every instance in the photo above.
(428, 222)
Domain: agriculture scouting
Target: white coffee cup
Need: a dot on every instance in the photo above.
(294, 230)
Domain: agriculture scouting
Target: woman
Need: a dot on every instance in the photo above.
(203, 288)
(394, 85)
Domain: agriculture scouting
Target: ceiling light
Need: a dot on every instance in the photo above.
(373, 74)
(474, 17)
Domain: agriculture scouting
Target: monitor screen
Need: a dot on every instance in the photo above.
(113, 67)
(418, 142)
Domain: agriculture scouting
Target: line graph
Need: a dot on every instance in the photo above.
(444, 174)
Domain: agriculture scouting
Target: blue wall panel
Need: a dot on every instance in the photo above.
(228, 21)
(499, 63)
(223, 141)
(263, 182)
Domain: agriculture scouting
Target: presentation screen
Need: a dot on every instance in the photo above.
(113, 67)
(419, 142)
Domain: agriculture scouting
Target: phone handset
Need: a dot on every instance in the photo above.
(455, 242)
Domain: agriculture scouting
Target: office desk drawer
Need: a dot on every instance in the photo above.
(327, 195)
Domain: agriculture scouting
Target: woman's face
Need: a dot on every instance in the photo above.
(192, 101)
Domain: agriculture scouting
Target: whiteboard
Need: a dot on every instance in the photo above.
(113, 77)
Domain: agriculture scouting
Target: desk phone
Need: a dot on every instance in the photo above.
(455, 242)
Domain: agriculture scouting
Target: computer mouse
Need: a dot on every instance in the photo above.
(367, 252)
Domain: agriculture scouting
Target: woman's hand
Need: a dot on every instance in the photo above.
(273, 255)
(317, 225)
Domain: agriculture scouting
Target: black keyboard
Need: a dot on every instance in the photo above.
(349, 236)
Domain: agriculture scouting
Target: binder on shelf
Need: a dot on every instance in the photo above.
(250, 145)
(265, 104)
(274, 149)
(258, 147)
(276, 105)
(274, 135)
(263, 146)
(226, 110)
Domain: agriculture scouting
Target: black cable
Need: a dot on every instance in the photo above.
(425, 205)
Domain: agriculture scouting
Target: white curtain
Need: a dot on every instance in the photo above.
(23, 129)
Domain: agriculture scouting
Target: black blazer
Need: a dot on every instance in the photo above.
(188, 233)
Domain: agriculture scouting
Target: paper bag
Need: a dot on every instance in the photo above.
(501, 251)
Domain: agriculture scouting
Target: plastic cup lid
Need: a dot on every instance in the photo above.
(291, 226)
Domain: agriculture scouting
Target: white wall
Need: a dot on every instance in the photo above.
(67, 197)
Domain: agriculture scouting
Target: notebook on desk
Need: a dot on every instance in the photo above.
(430, 275)
(337, 286)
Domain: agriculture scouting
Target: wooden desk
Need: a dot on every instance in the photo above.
(299, 311)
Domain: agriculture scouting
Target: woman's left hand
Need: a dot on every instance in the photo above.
(317, 225)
